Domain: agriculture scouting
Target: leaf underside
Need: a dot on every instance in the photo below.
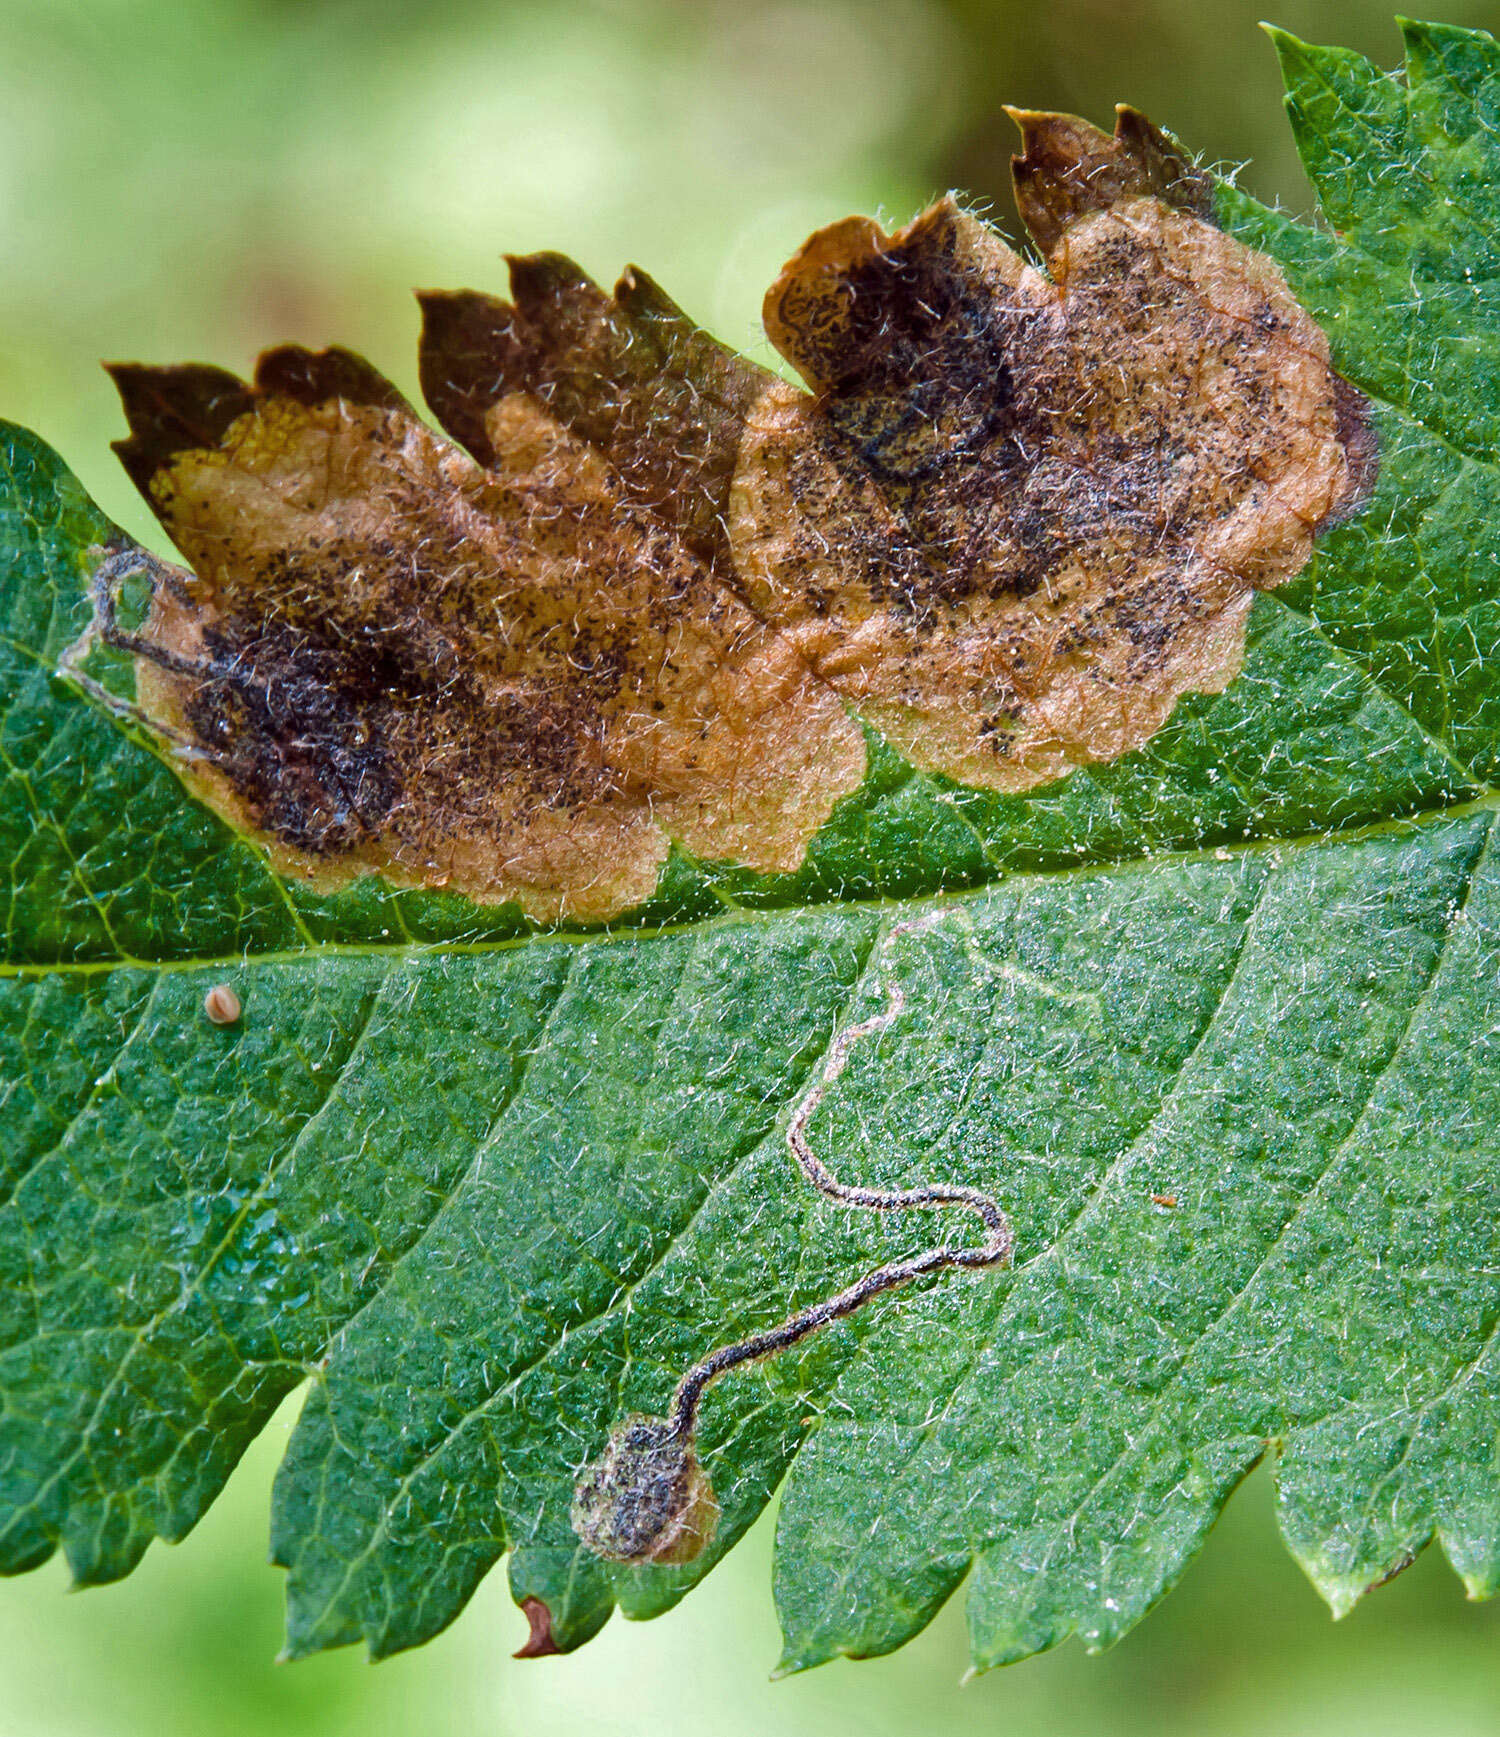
(1217, 1023)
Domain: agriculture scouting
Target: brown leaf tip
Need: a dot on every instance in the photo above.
(1068, 168)
(539, 1644)
(646, 1498)
(173, 410)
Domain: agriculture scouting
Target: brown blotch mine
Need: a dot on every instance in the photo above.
(512, 681)
(1023, 513)
(1016, 516)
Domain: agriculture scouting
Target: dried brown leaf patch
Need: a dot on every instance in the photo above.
(647, 590)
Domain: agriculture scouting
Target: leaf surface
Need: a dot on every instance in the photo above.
(1216, 1021)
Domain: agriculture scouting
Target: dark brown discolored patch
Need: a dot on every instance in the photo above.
(172, 410)
(1017, 515)
(314, 377)
(630, 374)
(1361, 444)
(539, 1644)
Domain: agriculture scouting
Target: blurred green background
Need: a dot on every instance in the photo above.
(201, 178)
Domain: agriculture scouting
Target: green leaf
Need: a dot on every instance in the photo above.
(1217, 1024)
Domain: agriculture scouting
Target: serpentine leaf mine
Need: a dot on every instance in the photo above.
(646, 1498)
(649, 592)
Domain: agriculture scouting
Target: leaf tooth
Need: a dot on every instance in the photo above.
(312, 377)
(1068, 168)
(171, 410)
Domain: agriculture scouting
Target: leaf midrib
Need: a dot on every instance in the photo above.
(1488, 801)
